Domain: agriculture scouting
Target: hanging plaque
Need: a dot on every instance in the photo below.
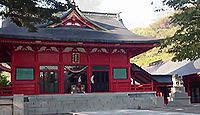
(75, 57)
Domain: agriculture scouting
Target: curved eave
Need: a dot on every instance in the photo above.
(21, 37)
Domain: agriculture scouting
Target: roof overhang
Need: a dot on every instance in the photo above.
(138, 45)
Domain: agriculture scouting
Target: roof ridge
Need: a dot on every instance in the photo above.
(100, 13)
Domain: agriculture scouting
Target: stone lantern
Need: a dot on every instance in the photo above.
(178, 95)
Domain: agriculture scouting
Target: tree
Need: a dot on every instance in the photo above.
(159, 29)
(185, 43)
(28, 13)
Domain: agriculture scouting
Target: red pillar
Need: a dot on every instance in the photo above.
(12, 69)
(110, 72)
(37, 72)
(188, 87)
(89, 70)
(61, 78)
(129, 69)
(61, 72)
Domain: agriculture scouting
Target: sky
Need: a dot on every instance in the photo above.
(134, 13)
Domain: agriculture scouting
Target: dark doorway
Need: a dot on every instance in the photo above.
(100, 81)
(195, 92)
(72, 74)
(48, 79)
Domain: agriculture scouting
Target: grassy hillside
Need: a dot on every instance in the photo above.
(153, 55)
(159, 30)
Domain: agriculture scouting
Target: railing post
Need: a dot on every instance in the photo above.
(1, 90)
(134, 87)
(143, 87)
(117, 87)
(152, 86)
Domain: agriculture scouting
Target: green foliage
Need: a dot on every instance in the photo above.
(150, 56)
(186, 40)
(4, 80)
(159, 29)
(28, 13)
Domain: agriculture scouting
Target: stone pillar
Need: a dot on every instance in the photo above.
(18, 104)
(5, 106)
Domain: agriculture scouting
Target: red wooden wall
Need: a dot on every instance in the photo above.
(34, 59)
(23, 59)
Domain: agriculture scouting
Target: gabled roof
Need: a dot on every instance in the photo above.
(77, 15)
(98, 27)
(181, 68)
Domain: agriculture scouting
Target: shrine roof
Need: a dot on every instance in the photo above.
(162, 78)
(182, 68)
(109, 29)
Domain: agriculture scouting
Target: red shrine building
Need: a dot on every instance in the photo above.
(92, 47)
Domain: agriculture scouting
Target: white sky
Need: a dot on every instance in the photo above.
(135, 13)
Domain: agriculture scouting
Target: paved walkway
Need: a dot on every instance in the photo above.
(133, 112)
(193, 109)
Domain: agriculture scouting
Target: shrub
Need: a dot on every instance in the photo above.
(4, 81)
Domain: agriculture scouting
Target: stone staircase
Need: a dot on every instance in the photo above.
(65, 103)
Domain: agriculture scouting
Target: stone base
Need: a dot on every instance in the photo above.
(65, 103)
(180, 99)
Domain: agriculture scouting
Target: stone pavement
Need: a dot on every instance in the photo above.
(133, 112)
(192, 108)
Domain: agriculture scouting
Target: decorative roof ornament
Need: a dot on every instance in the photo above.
(119, 18)
(71, 3)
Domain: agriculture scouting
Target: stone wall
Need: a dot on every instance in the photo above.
(6, 106)
(66, 103)
(12, 105)
(53, 104)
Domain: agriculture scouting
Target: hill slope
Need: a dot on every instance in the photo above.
(159, 30)
(153, 55)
